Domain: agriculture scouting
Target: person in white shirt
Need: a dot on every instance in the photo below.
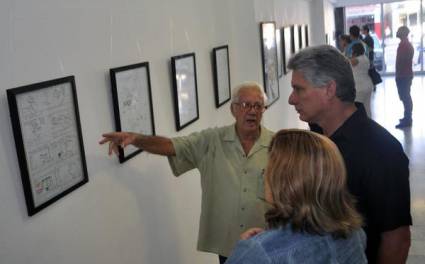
(362, 80)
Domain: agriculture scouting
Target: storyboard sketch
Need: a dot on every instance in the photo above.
(287, 47)
(221, 70)
(185, 89)
(132, 100)
(270, 63)
(48, 140)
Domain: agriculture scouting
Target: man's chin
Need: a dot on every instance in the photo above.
(251, 126)
(303, 118)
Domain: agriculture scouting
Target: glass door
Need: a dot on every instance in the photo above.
(383, 21)
(395, 15)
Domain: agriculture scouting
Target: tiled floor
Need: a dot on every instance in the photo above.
(386, 110)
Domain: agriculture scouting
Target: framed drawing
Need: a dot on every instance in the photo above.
(49, 143)
(279, 53)
(269, 59)
(221, 70)
(287, 47)
(183, 68)
(295, 38)
(132, 100)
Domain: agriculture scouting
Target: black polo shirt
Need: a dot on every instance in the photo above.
(377, 175)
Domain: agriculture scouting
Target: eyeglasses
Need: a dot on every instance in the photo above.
(246, 106)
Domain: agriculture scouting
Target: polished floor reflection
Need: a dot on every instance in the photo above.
(386, 110)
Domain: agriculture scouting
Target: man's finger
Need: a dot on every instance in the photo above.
(103, 141)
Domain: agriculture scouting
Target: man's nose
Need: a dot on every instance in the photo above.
(291, 99)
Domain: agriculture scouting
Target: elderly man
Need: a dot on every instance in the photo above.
(231, 161)
(377, 168)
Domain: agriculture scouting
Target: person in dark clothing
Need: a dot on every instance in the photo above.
(404, 75)
(369, 42)
(377, 168)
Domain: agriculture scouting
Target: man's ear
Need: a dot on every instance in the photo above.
(331, 89)
(232, 109)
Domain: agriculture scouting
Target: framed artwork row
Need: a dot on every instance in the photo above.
(290, 40)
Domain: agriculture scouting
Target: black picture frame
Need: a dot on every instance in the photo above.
(221, 72)
(295, 38)
(132, 102)
(269, 60)
(185, 89)
(306, 36)
(49, 143)
(300, 37)
(287, 47)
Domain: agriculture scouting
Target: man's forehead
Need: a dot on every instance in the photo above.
(249, 91)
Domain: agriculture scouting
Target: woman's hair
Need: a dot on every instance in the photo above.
(306, 177)
(357, 50)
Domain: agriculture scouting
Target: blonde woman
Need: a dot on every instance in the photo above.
(312, 217)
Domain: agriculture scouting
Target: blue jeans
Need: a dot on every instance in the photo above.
(403, 88)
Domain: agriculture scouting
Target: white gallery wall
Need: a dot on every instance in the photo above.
(135, 212)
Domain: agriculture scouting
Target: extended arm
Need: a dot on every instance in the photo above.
(394, 246)
(153, 144)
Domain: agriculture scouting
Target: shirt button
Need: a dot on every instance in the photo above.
(244, 189)
(241, 226)
(243, 208)
(245, 172)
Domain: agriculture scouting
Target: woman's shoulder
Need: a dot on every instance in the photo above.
(283, 242)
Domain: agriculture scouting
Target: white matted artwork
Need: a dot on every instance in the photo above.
(269, 59)
(132, 99)
(221, 70)
(304, 36)
(48, 139)
(185, 89)
(279, 52)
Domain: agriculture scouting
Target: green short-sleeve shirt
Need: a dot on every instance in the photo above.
(232, 183)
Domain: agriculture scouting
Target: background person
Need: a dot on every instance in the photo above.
(377, 168)
(344, 41)
(355, 38)
(231, 161)
(404, 75)
(362, 80)
(312, 219)
(369, 42)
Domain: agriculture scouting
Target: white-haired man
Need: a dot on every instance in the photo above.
(231, 161)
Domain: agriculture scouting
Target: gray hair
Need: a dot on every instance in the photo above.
(247, 85)
(322, 64)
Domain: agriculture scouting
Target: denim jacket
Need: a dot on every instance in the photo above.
(282, 245)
